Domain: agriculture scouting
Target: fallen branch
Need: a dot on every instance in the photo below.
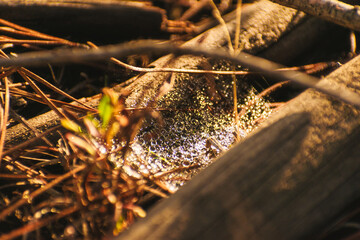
(254, 63)
(334, 11)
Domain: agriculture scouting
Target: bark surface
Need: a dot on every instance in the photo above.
(334, 11)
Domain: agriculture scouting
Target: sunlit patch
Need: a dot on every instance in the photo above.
(191, 118)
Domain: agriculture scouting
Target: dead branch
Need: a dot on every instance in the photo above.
(260, 65)
(334, 11)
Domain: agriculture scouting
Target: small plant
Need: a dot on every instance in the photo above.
(89, 189)
(109, 184)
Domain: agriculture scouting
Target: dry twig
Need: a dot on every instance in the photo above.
(39, 191)
(263, 66)
(5, 114)
(38, 224)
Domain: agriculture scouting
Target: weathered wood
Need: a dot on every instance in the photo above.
(334, 11)
(287, 181)
(298, 42)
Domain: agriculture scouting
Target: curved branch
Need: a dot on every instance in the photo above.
(140, 47)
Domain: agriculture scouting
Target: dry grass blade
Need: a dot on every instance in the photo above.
(41, 93)
(32, 33)
(29, 172)
(21, 33)
(177, 70)
(38, 224)
(35, 97)
(222, 22)
(7, 73)
(272, 88)
(194, 8)
(55, 89)
(30, 141)
(14, 85)
(22, 120)
(25, 71)
(238, 27)
(4, 117)
(21, 176)
(309, 69)
(235, 51)
(39, 191)
(32, 42)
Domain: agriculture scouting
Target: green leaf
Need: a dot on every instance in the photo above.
(119, 226)
(105, 110)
